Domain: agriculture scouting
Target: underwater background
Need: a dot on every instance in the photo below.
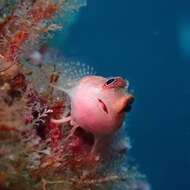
(147, 42)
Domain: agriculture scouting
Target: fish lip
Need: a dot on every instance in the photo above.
(128, 104)
(131, 100)
(128, 109)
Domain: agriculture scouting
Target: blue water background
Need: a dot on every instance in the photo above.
(140, 40)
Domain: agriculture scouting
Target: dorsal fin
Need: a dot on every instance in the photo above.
(71, 72)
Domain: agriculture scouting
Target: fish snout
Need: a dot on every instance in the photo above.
(126, 103)
(130, 100)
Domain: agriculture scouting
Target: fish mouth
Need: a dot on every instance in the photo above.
(128, 109)
(127, 105)
(130, 101)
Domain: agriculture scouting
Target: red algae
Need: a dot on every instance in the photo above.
(26, 23)
(36, 153)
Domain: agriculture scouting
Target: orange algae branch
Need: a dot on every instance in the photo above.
(4, 22)
(39, 13)
(9, 69)
(4, 128)
(15, 44)
(19, 28)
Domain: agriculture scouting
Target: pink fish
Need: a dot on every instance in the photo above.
(98, 106)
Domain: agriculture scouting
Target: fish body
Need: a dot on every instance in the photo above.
(98, 104)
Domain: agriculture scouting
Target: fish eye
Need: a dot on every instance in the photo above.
(110, 81)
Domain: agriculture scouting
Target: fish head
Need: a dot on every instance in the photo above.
(99, 104)
(115, 91)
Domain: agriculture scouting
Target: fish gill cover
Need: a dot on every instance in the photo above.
(35, 152)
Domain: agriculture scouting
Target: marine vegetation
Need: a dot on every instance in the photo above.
(60, 124)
